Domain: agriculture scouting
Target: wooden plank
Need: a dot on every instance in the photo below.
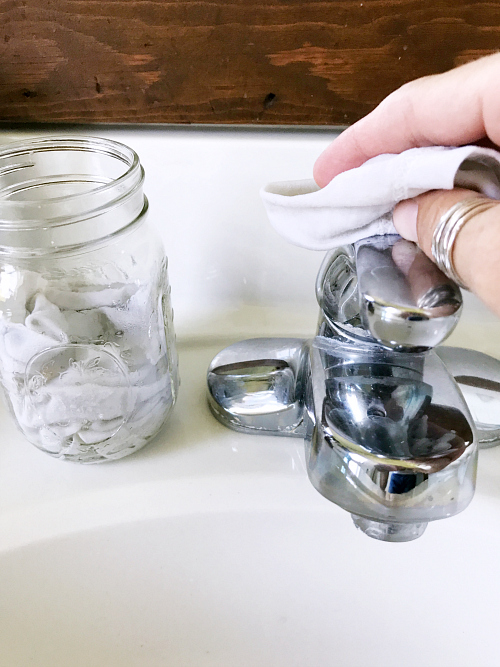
(233, 61)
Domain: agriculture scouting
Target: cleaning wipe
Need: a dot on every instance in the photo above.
(358, 203)
(108, 404)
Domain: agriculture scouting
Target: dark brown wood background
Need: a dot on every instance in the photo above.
(229, 61)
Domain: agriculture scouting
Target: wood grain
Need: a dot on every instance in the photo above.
(232, 61)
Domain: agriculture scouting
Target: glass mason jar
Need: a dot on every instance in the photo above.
(87, 355)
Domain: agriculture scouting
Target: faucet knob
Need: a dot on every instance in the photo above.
(386, 289)
(256, 386)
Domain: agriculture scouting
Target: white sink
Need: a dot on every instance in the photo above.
(211, 548)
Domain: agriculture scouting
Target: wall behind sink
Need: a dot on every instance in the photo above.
(232, 276)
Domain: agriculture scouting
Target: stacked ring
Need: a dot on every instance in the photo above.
(445, 234)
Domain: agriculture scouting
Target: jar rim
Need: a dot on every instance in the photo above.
(132, 176)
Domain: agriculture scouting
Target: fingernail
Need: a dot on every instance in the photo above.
(405, 219)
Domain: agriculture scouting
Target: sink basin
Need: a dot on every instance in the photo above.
(238, 588)
(210, 548)
(215, 550)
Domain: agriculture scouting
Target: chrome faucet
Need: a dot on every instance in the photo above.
(388, 434)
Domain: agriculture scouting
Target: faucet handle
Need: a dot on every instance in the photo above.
(478, 377)
(256, 386)
(389, 290)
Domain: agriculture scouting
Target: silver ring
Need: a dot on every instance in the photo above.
(446, 232)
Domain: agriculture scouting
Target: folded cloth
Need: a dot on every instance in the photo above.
(359, 202)
(85, 408)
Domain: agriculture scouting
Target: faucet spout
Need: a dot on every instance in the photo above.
(389, 438)
(389, 532)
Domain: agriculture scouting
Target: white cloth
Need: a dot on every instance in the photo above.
(358, 203)
(97, 406)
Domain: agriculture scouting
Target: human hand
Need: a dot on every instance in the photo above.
(459, 107)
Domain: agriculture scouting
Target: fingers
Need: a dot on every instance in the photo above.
(477, 246)
(416, 219)
(455, 108)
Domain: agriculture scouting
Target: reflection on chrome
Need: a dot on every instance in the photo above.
(388, 434)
